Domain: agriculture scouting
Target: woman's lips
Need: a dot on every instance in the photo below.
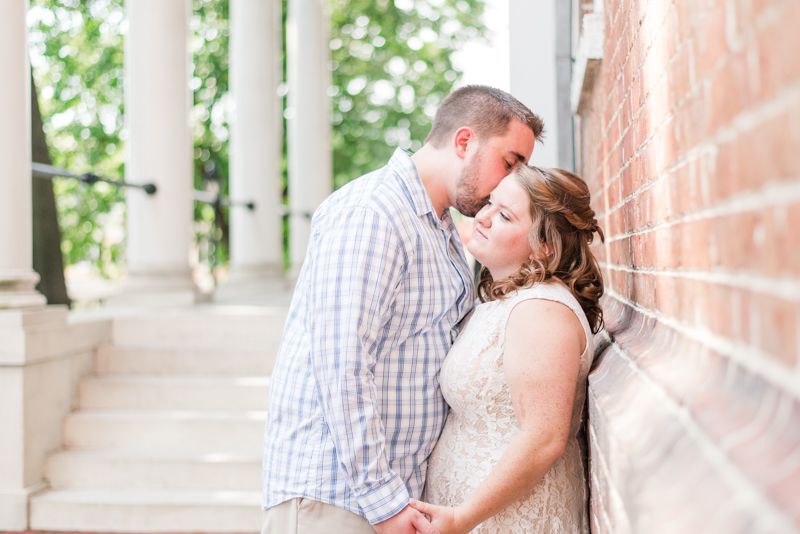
(477, 231)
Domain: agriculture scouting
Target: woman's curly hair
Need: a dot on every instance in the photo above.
(562, 217)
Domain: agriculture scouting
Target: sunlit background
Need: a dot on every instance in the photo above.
(392, 64)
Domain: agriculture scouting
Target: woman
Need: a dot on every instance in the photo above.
(509, 458)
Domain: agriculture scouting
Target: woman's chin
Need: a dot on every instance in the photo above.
(475, 254)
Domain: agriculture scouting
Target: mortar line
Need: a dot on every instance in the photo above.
(783, 287)
(770, 195)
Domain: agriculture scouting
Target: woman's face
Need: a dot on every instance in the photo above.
(500, 237)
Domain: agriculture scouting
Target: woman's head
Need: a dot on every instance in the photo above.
(543, 222)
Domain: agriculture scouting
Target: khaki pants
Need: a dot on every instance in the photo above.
(304, 516)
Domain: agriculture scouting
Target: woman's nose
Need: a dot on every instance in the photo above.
(483, 217)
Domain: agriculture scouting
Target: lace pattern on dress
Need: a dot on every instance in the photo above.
(482, 423)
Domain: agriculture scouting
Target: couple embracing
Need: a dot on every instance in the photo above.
(398, 405)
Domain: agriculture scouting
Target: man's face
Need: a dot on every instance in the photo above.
(493, 160)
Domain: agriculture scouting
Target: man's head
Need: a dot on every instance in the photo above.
(490, 132)
(488, 111)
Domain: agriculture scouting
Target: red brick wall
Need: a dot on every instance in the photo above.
(691, 146)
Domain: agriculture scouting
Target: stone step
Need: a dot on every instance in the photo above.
(131, 470)
(143, 392)
(202, 325)
(166, 360)
(169, 430)
(146, 510)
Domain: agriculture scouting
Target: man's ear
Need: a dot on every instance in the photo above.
(462, 139)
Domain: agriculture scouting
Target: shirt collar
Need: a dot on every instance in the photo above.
(402, 164)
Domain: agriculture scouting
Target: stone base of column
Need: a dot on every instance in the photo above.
(42, 358)
(159, 290)
(18, 290)
(14, 507)
(251, 284)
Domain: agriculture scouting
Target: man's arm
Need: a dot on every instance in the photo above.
(358, 265)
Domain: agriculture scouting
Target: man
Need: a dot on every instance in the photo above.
(355, 408)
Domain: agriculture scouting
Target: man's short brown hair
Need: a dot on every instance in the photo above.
(488, 111)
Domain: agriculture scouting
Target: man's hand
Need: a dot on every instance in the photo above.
(409, 521)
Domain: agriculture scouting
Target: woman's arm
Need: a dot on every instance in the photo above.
(544, 342)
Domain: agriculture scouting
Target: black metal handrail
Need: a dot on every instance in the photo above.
(217, 200)
(47, 172)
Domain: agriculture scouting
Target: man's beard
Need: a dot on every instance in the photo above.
(468, 200)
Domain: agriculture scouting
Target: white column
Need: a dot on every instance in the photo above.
(17, 277)
(255, 145)
(533, 77)
(24, 321)
(159, 151)
(308, 117)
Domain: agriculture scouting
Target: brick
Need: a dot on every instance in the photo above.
(777, 65)
(728, 92)
(778, 321)
(721, 321)
(772, 152)
(680, 77)
(687, 14)
(638, 178)
(788, 236)
(665, 249)
(710, 43)
(694, 245)
(636, 92)
(758, 6)
(734, 236)
(694, 124)
(659, 202)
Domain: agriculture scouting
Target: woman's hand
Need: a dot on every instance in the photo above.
(444, 519)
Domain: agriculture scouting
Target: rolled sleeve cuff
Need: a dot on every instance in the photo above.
(385, 501)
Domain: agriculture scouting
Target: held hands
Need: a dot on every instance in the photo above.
(408, 521)
(444, 519)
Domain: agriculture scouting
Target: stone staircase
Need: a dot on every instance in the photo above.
(168, 434)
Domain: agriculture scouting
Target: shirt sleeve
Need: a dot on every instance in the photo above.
(358, 264)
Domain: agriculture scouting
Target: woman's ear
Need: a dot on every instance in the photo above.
(548, 250)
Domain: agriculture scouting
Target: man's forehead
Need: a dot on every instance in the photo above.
(519, 142)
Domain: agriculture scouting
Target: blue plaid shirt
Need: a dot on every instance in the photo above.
(355, 407)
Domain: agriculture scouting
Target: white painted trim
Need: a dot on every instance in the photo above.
(590, 52)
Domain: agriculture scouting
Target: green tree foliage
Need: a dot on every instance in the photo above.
(76, 53)
(211, 111)
(390, 68)
(77, 56)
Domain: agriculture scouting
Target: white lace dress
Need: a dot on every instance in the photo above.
(482, 423)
